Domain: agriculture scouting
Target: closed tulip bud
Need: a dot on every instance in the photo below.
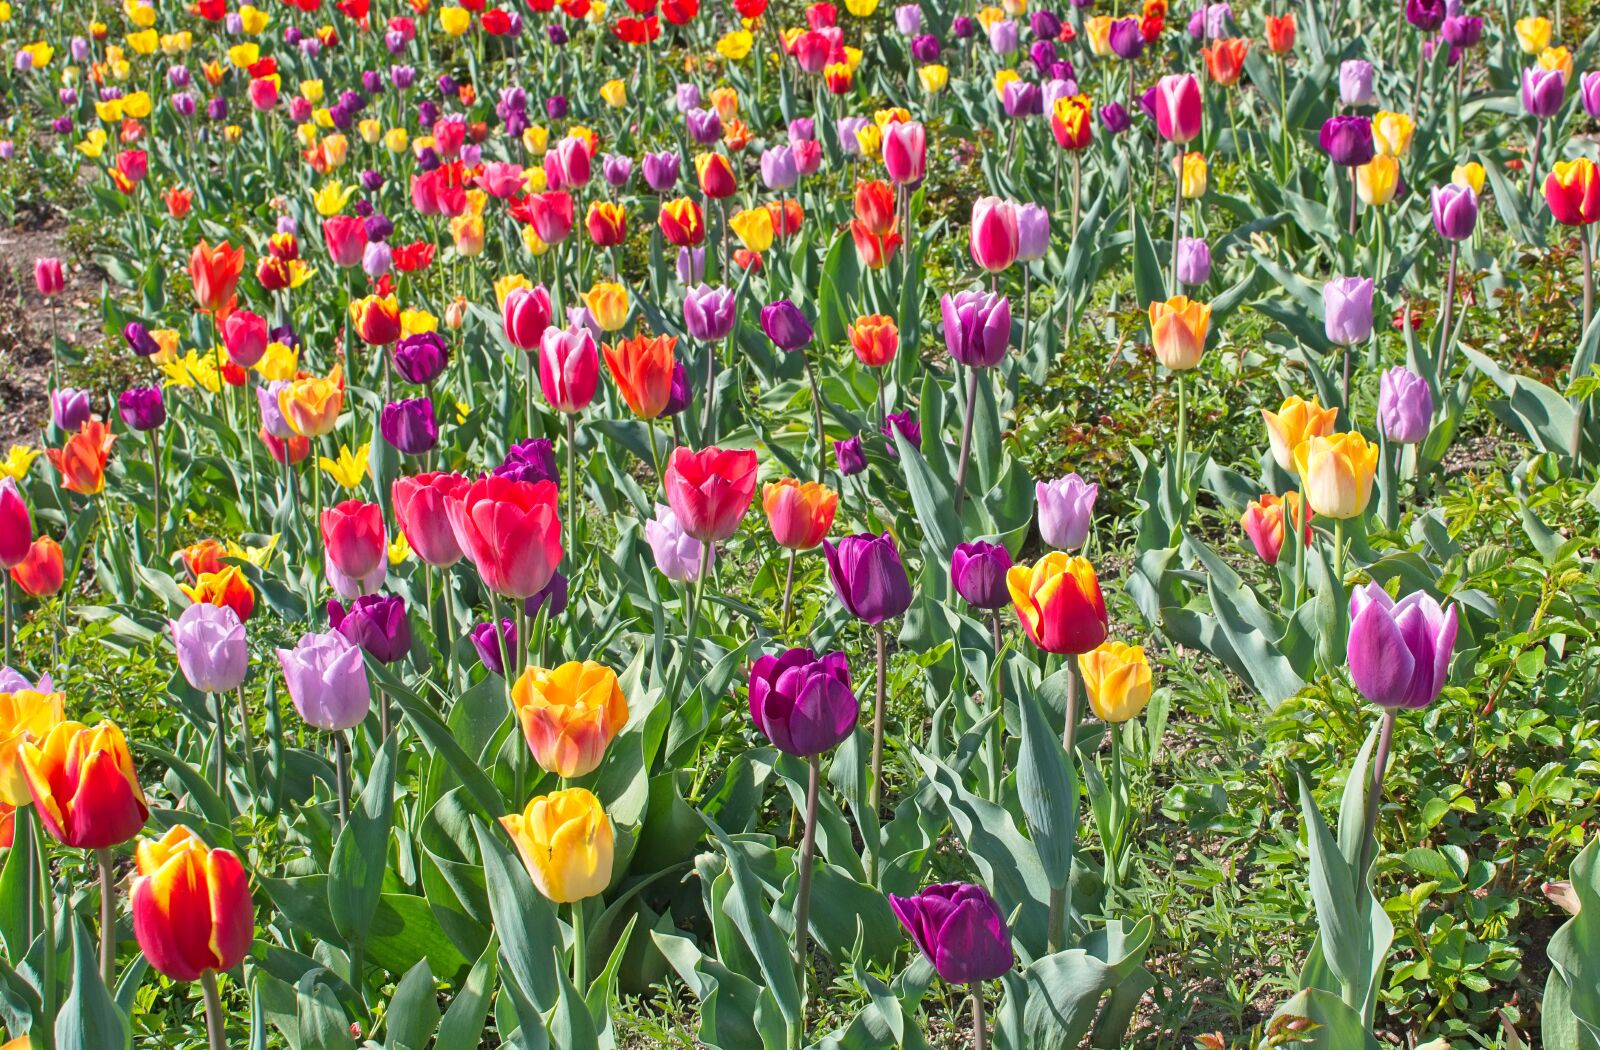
(487, 642)
(210, 642)
(977, 327)
(83, 785)
(1471, 175)
(43, 572)
(1066, 511)
(1266, 522)
(1192, 175)
(716, 175)
(511, 532)
(677, 554)
(1399, 652)
(994, 238)
(1194, 262)
(800, 514)
(1543, 91)
(709, 313)
(1355, 82)
(1347, 140)
(1455, 211)
(69, 408)
(1405, 406)
(420, 503)
(1336, 473)
(1178, 330)
(978, 573)
(958, 928)
(901, 424)
(569, 368)
(607, 224)
(327, 680)
(525, 315)
(1377, 180)
(376, 623)
(1280, 37)
(346, 239)
(421, 358)
(868, 576)
(48, 277)
(1462, 30)
(1296, 421)
(661, 171)
(681, 222)
(245, 336)
(1116, 678)
(569, 714)
(1059, 603)
(875, 339)
(566, 843)
(754, 229)
(905, 152)
(1347, 310)
(803, 703)
(1572, 190)
(376, 319)
(786, 326)
(1178, 107)
(849, 457)
(608, 305)
(1071, 123)
(1589, 93)
(192, 912)
(1391, 133)
(16, 525)
(778, 168)
(353, 537)
(1033, 232)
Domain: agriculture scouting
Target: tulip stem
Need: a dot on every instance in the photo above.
(1533, 167)
(708, 418)
(572, 482)
(108, 921)
(246, 744)
(997, 753)
(155, 486)
(816, 404)
(1180, 460)
(216, 1025)
(875, 787)
(1380, 763)
(1445, 309)
(1297, 518)
(1069, 732)
(788, 590)
(341, 774)
(47, 910)
(221, 746)
(980, 1024)
(580, 949)
(1177, 216)
(966, 435)
(1588, 280)
(802, 905)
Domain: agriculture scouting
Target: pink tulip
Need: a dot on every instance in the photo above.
(1178, 107)
(526, 314)
(16, 526)
(569, 368)
(245, 336)
(905, 151)
(501, 180)
(995, 235)
(48, 278)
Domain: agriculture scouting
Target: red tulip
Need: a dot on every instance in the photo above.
(511, 531)
(214, 272)
(354, 538)
(421, 509)
(16, 526)
(192, 912)
(245, 336)
(43, 571)
(710, 490)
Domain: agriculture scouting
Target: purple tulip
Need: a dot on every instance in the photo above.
(1042, 53)
(778, 170)
(1426, 15)
(868, 577)
(677, 553)
(1543, 91)
(977, 327)
(1045, 25)
(959, 929)
(925, 48)
(679, 392)
(1399, 652)
(617, 169)
(409, 426)
(1347, 140)
(555, 107)
(1355, 82)
(786, 326)
(1455, 211)
(69, 408)
(421, 358)
(1022, 98)
(847, 453)
(1194, 262)
(1066, 510)
(709, 313)
(965, 27)
(555, 594)
(1462, 31)
(978, 573)
(705, 127)
(487, 641)
(803, 703)
(327, 680)
(686, 97)
(377, 623)
(1127, 42)
(1589, 93)
(690, 265)
(1003, 37)
(532, 460)
(908, 19)
(1405, 406)
(212, 653)
(907, 426)
(1033, 232)
(661, 170)
(1347, 310)
(1114, 118)
(142, 407)
(802, 129)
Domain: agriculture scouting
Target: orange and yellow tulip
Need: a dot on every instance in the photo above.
(1296, 420)
(1117, 678)
(1178, 329)
(24, 715)
(311, 405)
(1336, 473)
(569, 714)
(83, 785)
(226, 586)
(192, 912)
(1059, 603)
(800, 513)
(566, 843)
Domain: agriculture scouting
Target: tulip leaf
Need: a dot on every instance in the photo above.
(735, 1014)
(1148, 283)
(1574, 950)
(1047, 789)
(747, 908)
(835, 302)
(322, 1021)
(438, 739)
(413, 1011)
(1064, 989)
(361, 854)
(524, 920)
(461, 1028)
(89, 1019)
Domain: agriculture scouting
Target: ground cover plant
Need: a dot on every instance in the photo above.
(759, 525)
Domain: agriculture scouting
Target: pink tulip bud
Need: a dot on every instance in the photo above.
(47, 276)
(1178, 107)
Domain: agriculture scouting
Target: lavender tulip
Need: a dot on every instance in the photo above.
(1405, 406)
(1589, 93)
(69, 408)
(690, 266)
(1066, 510)
(1033, 232)
(677, 554)
(327, 680)
(1194, 261)
(1399, 652)
(778, 170)
(212, 653)
(1347, 310)
(1355, 82)
(661, 171)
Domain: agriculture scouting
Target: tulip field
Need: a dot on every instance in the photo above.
(754, 525)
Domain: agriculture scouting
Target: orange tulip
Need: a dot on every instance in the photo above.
(202, 557)
(876, 339)
(43, 571)
(82, 460)
(192, 912)
(642, 367)
(1178, 330)
(311, 406)
(874, 251)
(875, 208)
(787, 217)
(83, 785)
(1280, 33)
(227, 586)
(26, 714)
(800, 513)
(1225, 60)
(178, 201)
(215, 274)
(569, 714)
(1059, 603)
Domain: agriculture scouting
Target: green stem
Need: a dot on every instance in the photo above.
(216, 1021)
(341, 774)
(802, 907)
(108, 921)
(580, 949)
(1380, 763)
(980, 1025)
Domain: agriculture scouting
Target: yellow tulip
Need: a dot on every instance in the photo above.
(1296, 420)
(1117, 679)
(394, 140)
(934, 78)
(350, 468)
(455, 21)
(1533, 34)
(311, 91)
(566, 843)
(536, 139)
(1178, 329)
(1557, 58)
(400, 549)
(608, 305)
(1099, 30)
(754, 229)
(17, 460)
(109, 111)
(244, 55)
(569, 714)
(1193, 180)
(1336, 473)
(415, 322)
(1391, 133)
(24, 715)
(861, 8)
(280, 362)
(144, 42)
(136, 104)
(735, 46)
(531, 241)
(615, 93)
(1002, 78)
(332, 197)
(371, 130)
(870, 139)
(253, 20)
(1377, 180)
(1470, 174)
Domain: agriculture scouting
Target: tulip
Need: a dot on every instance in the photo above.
(905, 152)
(1572, 190)
(192, 912)
(1589, 92)
(26, 713)
(1355, 82)
(1337, 473)
(16, 525)
(709, 313)
(716, 176)
(569, 368)
(677, 555)
(642, 368)
(710, 490)
(1280, 38)
(1399, 652)
(1263, 521)
(1059, 603)
(977, 327)
(803, 703)
(1033, 232)
(511, 531)
(533, 460)
(311, 406)
(868, 576)
(345, 237)
(1543, 91)
(420, 510)
(48, 277)
(377, 623)
(353, 537)
(786, 326)
(778, 169)
(82, 460)
(225, 586)
(1178, 329)
(569, 714)
(1455, 211)
(754, 229)
(978, 573)
(994, 234)
(1347, 310)
(1405, 406)
(1070, 122)
(607, 224)
(1377, 180)
(327, 680)
(1391, 133)
(1194, 262)
(210, 642)
(681, 222)
(376, 319)
(849, 457)
(1117, 679)
(525, 315)
(1191, 175)
(875, 339)
(1066, 511)
(245, 336)
(566, 843)
(1225, 60)
(1347, 140)
(800, 514)
(83, 785)
(69, 408)
(421, 358)
(1296, 421)
(608, 305)
(42, 573)
(1178, 107)
(959, 929)
(214, 274)
(487, 641)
